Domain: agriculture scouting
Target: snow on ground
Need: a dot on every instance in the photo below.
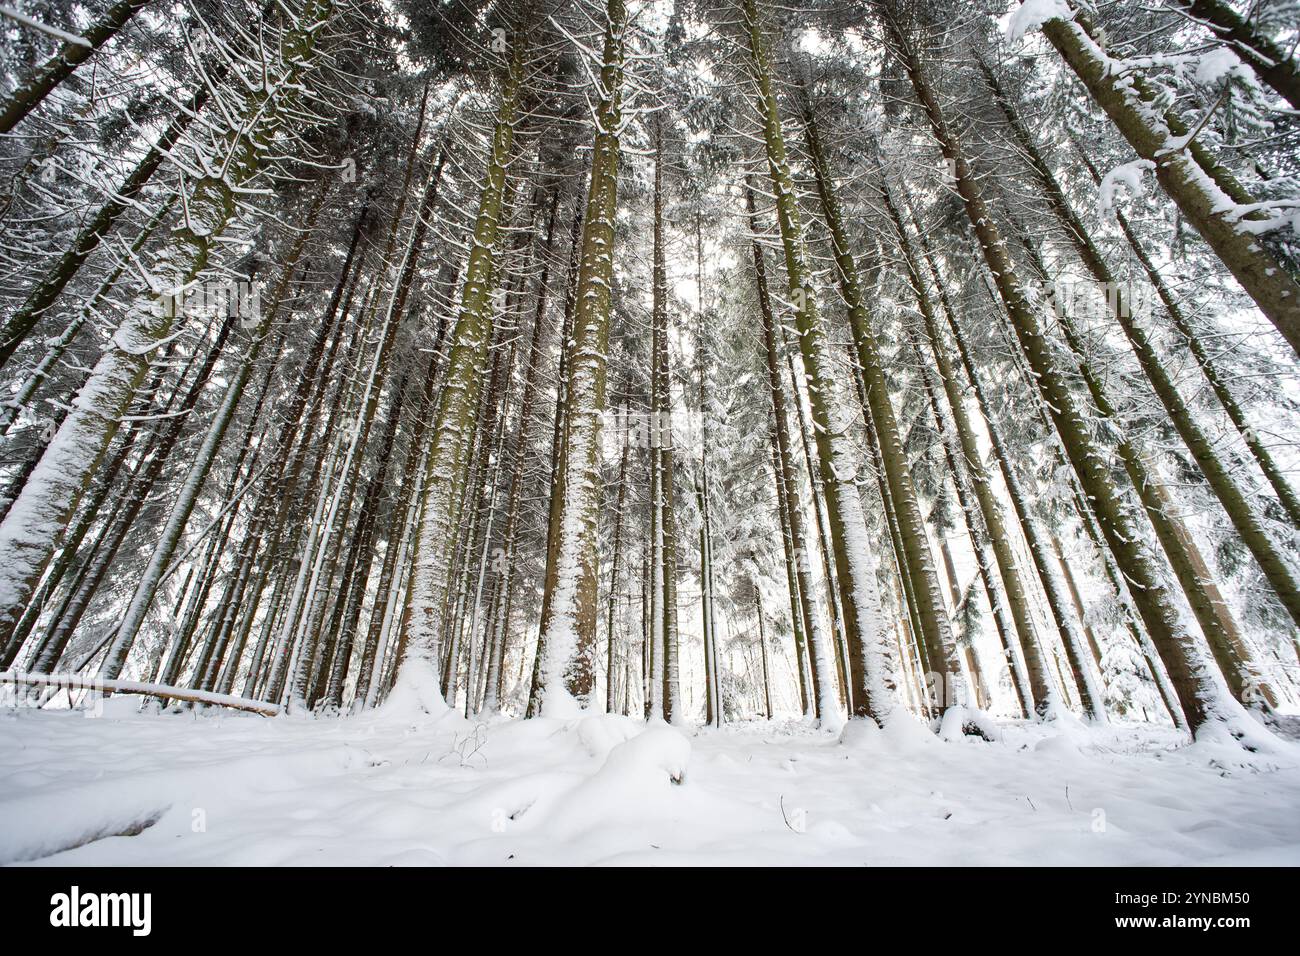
(399, 788)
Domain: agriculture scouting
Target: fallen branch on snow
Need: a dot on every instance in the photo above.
(137, 687)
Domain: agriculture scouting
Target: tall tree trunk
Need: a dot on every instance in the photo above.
(762, 644)
(567, 642)
(870, 651)
(903, 582)
(362, 546)
(454, 425)
(615, 564)
(663, 466)
(386, 612)
(703, 494)
(559, 411)
(398, 531)
(936, 630)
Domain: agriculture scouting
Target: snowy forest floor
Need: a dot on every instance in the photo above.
(393, 788)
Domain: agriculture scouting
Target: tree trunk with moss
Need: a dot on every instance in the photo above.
(870, 661)
(454, 425)
(557, 452)
(936, 630)
(568, 640)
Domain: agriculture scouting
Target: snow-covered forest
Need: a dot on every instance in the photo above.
(720, 426)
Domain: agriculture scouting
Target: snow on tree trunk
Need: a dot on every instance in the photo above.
(870, 650)
(936, 629)
(454, 425)
(566, 646)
